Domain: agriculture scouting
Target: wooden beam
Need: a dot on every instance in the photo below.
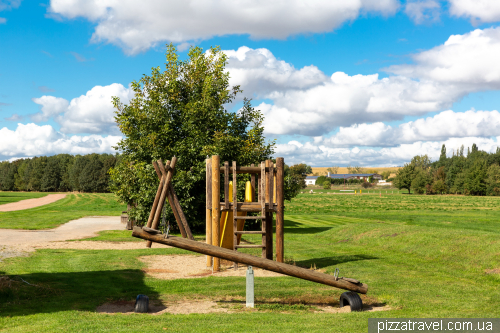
(269, 215)
(216, 207)
(250, 170)
(208, 217)
(247, 259)
(157, 197)
(280, 211)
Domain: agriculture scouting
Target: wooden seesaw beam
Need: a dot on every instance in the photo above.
(246, 259)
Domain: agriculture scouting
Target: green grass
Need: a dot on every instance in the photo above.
(424, 256)
(73, 206)
(113, 236)
(9, 197)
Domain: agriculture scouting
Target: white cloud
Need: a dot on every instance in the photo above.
(477, 11)
(137, 26)
(9, 4)
(51, 107)
(89, 113)
(469, 61)
(443, 126)
(3, 20)
(321, 155)
(34, 140)
(422, 11)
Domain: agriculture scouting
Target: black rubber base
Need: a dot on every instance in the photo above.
(352, 299)
(141, 304)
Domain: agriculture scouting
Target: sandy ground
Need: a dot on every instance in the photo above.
(31, 203)
(210, 306)
(18, 242)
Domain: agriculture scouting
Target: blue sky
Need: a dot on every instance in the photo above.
(365, 82)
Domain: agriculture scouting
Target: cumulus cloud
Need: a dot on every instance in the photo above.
(50, 106)
(443, 126)
(469, 61)
(321, 155)
(34, 140)
(89, 113)
(422, 11)
(477, 11)
(308, 102)
(137, 26)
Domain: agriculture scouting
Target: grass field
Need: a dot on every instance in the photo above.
(424, 256)
(73, 206)
(9, 197)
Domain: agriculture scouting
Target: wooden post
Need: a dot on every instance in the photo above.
(263, 205)
(252, 183)
(235, 211)
(208, 216)
(156, 219)
(157, 197)
(216, 207)
(280, 217)
(247, 259)
(226, 185)
(269, 215)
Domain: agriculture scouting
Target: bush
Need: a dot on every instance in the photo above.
(320, 180)
(327, 183)
(366, 185)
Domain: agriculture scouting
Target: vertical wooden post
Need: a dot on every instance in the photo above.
(263, 205)
(208, 216)
(280, 218)
(235, 211)
(269, 214)
(216, 207)
(226, 186)
(252, 183)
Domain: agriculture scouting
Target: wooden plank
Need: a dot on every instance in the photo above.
(249, 246)
(216, 207)
(280, 212)
(249, 207)
(163, 195)
(248, 232)
(249, 170)
(247, 259)
(208, 216)
(249, 217)
(170, 201)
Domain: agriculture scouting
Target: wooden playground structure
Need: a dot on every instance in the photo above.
(268, 180)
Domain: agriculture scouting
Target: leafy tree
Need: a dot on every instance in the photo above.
(327, 183)
(320, 180)
(493, 179)
(420, 180)
(36, 169)
(354, 169)
(475, 178)
(422, 161)
(52, 175)
(442, 156)
(333, 170)
(91, 179)
(439, 186)
(386, 174)
(182, 112)
(404, 177)
(19, 179)
(79, 164)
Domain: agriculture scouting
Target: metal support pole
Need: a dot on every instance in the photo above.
(250, 288)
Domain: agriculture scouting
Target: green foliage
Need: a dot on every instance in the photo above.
(333, 170)
(52, 175)
(354, 169)
(404, 177)
(475, 178)
(493, 180)
(421, 179)
(321, 179)
(327, 183)
(182, 112)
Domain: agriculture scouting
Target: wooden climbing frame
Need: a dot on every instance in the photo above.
(268, 179)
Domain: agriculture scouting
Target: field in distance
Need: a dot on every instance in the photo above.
(323, 170)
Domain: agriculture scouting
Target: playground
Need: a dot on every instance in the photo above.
(383, 241)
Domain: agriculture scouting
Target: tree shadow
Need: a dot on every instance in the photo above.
(309, 230)
(26, 294)
(332, 261)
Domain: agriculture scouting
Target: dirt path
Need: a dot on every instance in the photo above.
(31, 203)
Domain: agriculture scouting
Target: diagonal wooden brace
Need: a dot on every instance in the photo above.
(174, 203)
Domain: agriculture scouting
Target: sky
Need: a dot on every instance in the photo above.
(360, 82)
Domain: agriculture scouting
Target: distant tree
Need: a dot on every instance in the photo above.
(309, 170)
(327, 183)
(36, 170)
(52, 175)
(442, 156)
(354, 169)
(320, 180)
(404, 177)
(386, 174)
(420, 180)
(461, 150)
(475, 178)
(439, 186)
(493, 180)
(422, 161)
(91, 179)
(78, 166)
(333, 170)
(19, 178)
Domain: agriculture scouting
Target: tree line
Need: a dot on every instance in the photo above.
(474, 172)
(58, 173)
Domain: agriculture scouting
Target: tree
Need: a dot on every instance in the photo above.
(327, 183)
(493, 180)
(354, 169)
(404, 177)
(51, 175)
(439, 186)
(386, 174)
(333, 170)
(442, 156)
(182, 112)
(475, 178)
(422, 161)
(91, 179)
(420, 180)
(320, 180)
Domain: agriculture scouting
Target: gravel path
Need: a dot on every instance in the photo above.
(31, 203)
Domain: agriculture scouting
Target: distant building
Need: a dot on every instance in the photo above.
(311, 180)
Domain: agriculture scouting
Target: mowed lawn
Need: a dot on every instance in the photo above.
(73, 206)
(423, 256)
(9, 197)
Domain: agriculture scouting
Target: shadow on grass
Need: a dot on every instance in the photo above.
(33, 293)
(310, 230)
(332, 261)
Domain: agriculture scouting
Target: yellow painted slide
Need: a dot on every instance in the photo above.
(226, 219)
